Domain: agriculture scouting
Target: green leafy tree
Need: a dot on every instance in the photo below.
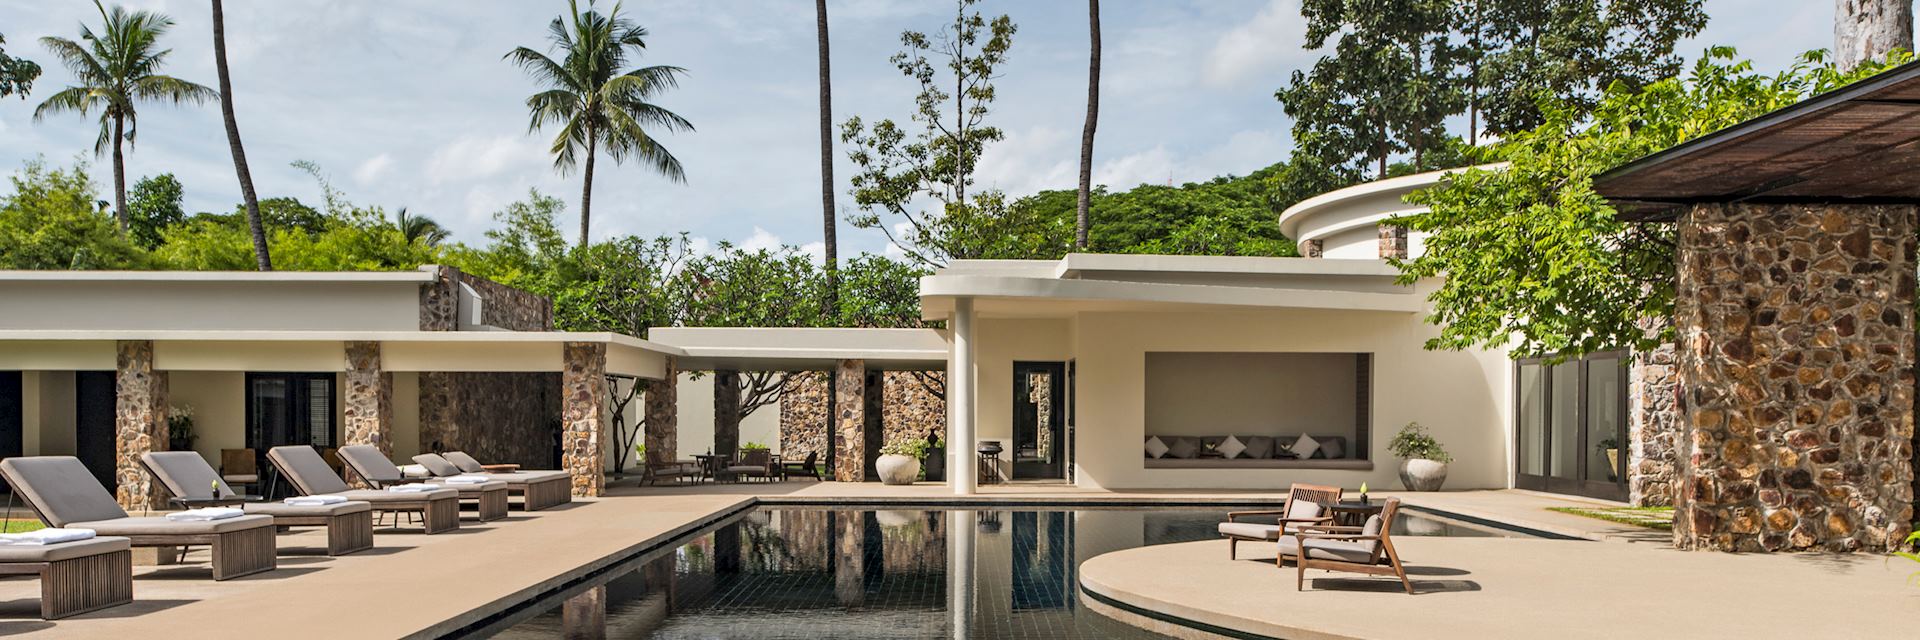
(595, 102)
(1533, 258)
(1522, 51)
(765, 288)
(115, 69)
(1387, 87)
(899, 170)
(877, 291)
(16, 74)
(50, 222)
(420, 229)
(524, 249)
(1228, 215)
(155, 204)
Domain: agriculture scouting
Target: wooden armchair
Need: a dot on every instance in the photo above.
(1303, 507)
(654, 471)
(1366, 549)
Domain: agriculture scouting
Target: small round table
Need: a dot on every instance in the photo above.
(1350, 514)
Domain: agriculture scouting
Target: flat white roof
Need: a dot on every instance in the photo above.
(1112, 282)
(92, 349)
(802, 349)
(216, 276)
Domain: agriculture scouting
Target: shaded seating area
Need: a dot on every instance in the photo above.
(489, 497)
(302, 466)
(538, 489)
(191, 483)
(65, 494)
(806, 468)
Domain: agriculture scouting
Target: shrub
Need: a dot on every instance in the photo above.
(915, 448)
(1413, 441)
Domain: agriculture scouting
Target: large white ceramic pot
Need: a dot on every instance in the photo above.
(1420, 474)
(898, 469)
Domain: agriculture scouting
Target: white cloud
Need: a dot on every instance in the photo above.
(476, 157)
(761, 239)
(373, 169)
(1262, 48)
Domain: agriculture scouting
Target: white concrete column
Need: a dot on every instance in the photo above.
(961, 530)
(963, 463)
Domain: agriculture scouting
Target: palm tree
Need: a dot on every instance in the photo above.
(1086, 132)
(261, 258)
(832, 302)
(420, 229)
(115, 68)
(594, 102)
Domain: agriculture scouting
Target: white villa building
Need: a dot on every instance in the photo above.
(1104, 371)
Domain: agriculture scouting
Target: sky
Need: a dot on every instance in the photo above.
(407, 103)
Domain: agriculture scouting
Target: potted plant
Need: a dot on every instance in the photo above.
(1423, 462)
(180, 435)
(1612, 448)
(899, 461)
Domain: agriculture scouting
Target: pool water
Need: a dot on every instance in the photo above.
(818, 573)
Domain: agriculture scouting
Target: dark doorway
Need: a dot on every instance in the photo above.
(12, 418)
(93, 424)
(290, 409)
(1039, 427)
(1570, 425)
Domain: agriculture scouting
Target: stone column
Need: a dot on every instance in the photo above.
(140, 424)
(1653, 427)
(850, 420)
(726, 412)
(1312, 248)
(662, 403)
(1796, 350)
(873, 395)
(584, 615)
(849, 558)
(1393, 241)
(366, 416)
(583, 416)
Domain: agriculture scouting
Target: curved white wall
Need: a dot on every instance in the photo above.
(1347, 221)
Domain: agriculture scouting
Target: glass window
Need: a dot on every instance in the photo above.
(1533, 419)
(1606, 391)
(1564, 442)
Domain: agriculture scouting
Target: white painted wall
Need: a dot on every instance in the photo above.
(47, 413)
(696, 419)
(211, 305)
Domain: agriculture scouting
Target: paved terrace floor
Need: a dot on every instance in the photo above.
(414, 585)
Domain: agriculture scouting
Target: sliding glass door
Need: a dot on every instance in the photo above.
(1570, 425)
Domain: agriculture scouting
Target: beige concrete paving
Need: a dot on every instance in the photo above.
(1523, 588)
(408, 585)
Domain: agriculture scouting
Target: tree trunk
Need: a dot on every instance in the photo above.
(726, 412)
(830, 307)
(1093, 120)
(120, 174)
(586, 187)
(1866, 30)
(260, 256)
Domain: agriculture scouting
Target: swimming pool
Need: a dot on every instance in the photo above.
(813, 573)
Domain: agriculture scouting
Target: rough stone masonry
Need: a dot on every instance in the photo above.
(1795, 357)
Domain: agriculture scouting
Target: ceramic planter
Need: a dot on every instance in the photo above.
(897, 469)
(1419, 474)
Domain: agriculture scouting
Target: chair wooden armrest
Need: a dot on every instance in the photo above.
(1235, 515)
(1329, 528)
(1334, 536)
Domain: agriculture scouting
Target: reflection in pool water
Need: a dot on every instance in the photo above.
(847, 573)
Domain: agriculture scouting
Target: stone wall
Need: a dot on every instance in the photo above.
(366, 415)
(584, 416)
(1313, 248)
(662, 404)
(850, 421)
(909, 410)
(1653, 429)
(497, 417)
(1393, 241)
(1796, 361)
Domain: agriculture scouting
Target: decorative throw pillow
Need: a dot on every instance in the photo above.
(1185, 448)
(1334, 448)
(1305, 446)
(1230, 448)
(1156, 448)
(1259, 448)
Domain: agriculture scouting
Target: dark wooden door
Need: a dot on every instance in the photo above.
(93, 429)
(1039, 420)
(12, 418)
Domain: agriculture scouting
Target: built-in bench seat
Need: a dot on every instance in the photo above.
(1269, 452)
(1252, 463)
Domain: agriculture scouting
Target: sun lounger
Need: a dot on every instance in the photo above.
(65, 494)
(187, 476)
(1303, 507)
(366, 461)
(1365, 549)
(75, 577)
(302, 465)
(538, 489)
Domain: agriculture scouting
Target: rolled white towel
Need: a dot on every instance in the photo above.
(46, 536)
(415, 471)
(205, 514)
(315, 501)
(412, 488)
(464, 479)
